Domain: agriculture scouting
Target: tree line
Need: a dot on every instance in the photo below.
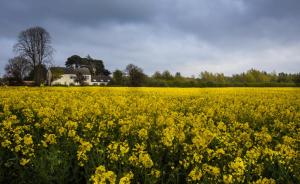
(134, 76)
(34, 55)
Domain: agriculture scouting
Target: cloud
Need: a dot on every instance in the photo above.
(227, 36)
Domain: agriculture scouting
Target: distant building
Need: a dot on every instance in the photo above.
(69, 75)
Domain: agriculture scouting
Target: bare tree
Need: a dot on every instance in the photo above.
(17, 68)
(35, 45)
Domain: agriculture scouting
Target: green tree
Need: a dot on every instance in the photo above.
(74, 61)
(95, 66)
(296, 78)
(136, 76)
(283, 77)
(157, 75)
(178, 75)
(207, 76)
(167, 75)
(118, 77)
(220, 78)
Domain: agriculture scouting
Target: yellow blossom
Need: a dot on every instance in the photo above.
(28, 139)
(24, 161)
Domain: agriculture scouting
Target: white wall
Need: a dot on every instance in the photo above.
(88, 79)
(66, 79)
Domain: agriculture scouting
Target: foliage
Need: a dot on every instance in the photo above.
(208, 79)
(211, 77)
(136, 76)
(95, 66)
(149, 135)
(118, 78)
(251, 78)
(74, 61)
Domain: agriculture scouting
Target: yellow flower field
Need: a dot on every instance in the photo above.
(149, 135)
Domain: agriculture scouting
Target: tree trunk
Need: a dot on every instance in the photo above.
(38, 75)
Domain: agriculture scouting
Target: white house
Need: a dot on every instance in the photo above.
(69, 76)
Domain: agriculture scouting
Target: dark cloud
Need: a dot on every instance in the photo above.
(188, 36)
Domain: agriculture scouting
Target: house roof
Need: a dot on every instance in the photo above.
(84, 71)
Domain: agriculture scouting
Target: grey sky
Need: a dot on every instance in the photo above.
(188, 36)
